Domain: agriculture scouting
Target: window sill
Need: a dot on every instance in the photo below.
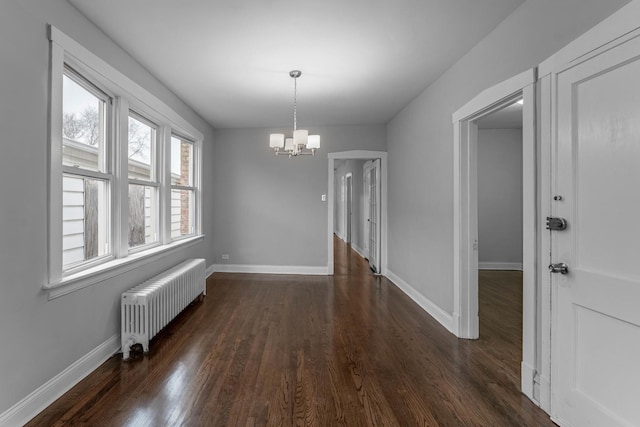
(108, 270)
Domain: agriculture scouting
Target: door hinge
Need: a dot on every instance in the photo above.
(556, 223)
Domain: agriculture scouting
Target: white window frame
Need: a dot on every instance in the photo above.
(155, 181)
(127, 96)
(195, 184)
(107, 175)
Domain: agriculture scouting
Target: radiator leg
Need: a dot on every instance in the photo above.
(126, 347)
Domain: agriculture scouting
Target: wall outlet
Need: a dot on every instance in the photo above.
(225, 256)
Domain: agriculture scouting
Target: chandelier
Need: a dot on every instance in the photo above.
(300, 143)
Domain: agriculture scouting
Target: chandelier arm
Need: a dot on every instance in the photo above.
(294, 153)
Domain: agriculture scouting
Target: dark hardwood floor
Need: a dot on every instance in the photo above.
(348, 350)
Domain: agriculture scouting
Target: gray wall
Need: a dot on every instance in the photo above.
(420, 137)
(269, 209)
(500, 196)
(41, 338)
(357, 224)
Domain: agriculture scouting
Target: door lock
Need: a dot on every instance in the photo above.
(560, 267)
(554, 223)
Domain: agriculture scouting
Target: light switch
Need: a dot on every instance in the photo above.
(324, 197)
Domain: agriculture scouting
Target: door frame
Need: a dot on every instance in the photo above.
(465, 244)
(357, 155)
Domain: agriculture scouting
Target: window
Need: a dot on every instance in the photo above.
(143, 182)
(182, 188)
(86, 181)
(124, 171)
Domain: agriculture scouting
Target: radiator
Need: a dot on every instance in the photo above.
(151, 305)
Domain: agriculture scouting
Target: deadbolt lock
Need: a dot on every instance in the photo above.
(556, 223)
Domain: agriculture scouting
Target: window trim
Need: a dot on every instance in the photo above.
(127, 97)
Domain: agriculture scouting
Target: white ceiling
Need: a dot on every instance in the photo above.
(362, 61)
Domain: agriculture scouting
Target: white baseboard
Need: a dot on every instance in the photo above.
(527, 373)
(340, 236)
(500, 266)
(545, 394)
(444, 318)
(456, 324)
(210, 270)
(358, 249)
(26, 409)
(271, 269)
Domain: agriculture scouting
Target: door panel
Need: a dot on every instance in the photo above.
(597, 369)
(606, 141)
(365, 210)
(596, 318)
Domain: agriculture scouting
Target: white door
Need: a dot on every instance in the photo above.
(365, 211)
(596, 186)
(374, 216)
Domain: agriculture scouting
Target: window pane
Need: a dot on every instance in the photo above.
(143, 215)
(83, 127)
(85, 226)
(181, 162)
(182, 213)
(141, 150)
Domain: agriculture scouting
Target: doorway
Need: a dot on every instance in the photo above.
(361, 218)
(351, 207)
(466, 244)
(499, 198)
(348, 207)
(499, 189)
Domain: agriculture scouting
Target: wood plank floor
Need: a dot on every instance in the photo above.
(347, 350)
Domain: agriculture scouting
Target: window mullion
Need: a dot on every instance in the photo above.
(164, 158)
(120, 212)
(197, 183)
